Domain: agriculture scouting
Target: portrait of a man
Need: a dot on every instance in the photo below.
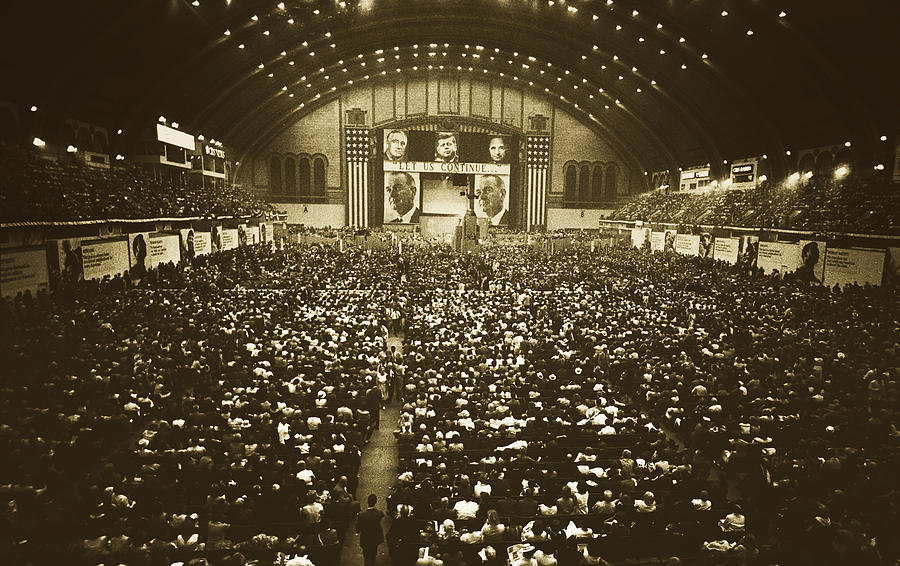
(497, 149)
(493, 198)
(395, 142)
(446, 147)
(401, 198)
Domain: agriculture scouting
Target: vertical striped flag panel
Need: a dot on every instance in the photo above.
(357, 151)
(537, 165)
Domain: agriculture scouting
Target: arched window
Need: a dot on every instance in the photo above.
(290, 176)
(597, 183)
(319, 176)
(611, 189)
(304, 176)
(584, 182)
(824, 164)
(807, 164)
(570, 174)
(275, 174)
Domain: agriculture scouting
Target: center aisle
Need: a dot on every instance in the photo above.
(377, 472)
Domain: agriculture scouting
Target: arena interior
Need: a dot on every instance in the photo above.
(450, 282)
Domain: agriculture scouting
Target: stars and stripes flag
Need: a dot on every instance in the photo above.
(537, 165)
(357, 151)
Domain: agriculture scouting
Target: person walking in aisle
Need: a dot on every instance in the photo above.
(368, 525)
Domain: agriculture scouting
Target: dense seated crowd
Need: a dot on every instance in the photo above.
(821, 204)
(36, 189)
(596, 406)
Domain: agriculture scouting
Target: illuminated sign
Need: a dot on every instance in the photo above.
(687, 175)
(703, 174)
(174, 137)
(738, 169)
(215, 152)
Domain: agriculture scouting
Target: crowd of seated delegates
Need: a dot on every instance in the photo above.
(820, 204)
(713, 357)
(36, 189)
(203, 418)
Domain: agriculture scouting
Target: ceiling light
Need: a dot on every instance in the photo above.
(175, 125)
(658, 26)
(254, 18)
(227, 32)
(879, 167)
(119, 157)
(788, 152)
(618, 27)
(749, 32)
(266, 32)
(763, 178)
(34, 108)
(291, 20)
(724, 13)
(634, 13)
(119, 131)
(704, 56)
(782, 14)
(195, 3)
(841, 172)
(241, 46)
(71, 149)
(162, 119)
(846, 144)
(281, 5)
(883, 138)
(38, 142)
(681, 40)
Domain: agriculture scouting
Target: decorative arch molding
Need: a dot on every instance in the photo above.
(300, 174)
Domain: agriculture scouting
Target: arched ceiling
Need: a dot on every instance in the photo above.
(674, 82)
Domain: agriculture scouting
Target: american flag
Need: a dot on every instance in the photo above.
(357, 151)
(538, 163)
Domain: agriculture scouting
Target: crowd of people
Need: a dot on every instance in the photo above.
(820, 204)
(583, 407)
(36, 189)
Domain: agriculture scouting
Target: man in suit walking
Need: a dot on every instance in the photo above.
(368, 525)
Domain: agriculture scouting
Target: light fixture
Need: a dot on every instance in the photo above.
(71, 148)
(227, 32)
(119, 157)
(254, 18)
(200, 137)
(724, 13)
(634, 13)
(749, 32)
(281, 5)
(883, 138)
(175, 125)
(34, 108)
(763, 178)
(841, 172)
(765, 156)
(162, 119)
(793, 177)
(195, 3)
(807, 175)
(782, 14)
(788, 152)
(846, 144)
(119, 131)
(38, 142)
(879, 167)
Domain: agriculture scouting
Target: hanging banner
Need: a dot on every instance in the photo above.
(164, 249)
(139, 257)
(812, 261)
(102, 258)
(726, 249)
(229, 238)
(265, 233)
(640, 237)
(253, 235)
(853, 266)
(23, 270)
(706, 245)
(202, 243)
(657, 241)
(748, 251)
(186, 236)
(669, 242)
(892, 268)
(778, 257)
(687, 244)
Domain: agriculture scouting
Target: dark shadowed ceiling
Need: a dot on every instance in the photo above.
(675, 82)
